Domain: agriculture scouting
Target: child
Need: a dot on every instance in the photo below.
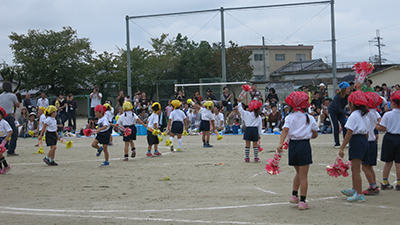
(153, 120)
(299, 127)
(5, 128)
(103, 135)
(374, 100)
(253, 127)
(206, 118)
(357, 135)
(179, 122)
(391, 141)
(50, 127)
(109, 116)
(128, 119)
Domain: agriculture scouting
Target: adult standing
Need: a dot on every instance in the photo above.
(144, 102)
(322, 92)
(254, 93)
(120, 99)
(95, 97)
(209, 95)
(7, 101)
(305, 90)
(226, 98)
(386, 92)
(42, 101)
(63, 108)
(27, 102)
(337, 113)
(72, 106)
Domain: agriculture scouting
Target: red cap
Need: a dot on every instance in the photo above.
(358, 98)
(298, 100)
(255, 104)
(374, 100)
(4, 112)
(395, 96)
(100, 108)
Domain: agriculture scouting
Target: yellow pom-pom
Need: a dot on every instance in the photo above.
(156, 132)
(44, 138)
(185, 133)
(40, 151)
(97, 127)
(164, 134)
(168, 142)
(219, 137)
(117, 118)
(69, 144)
(189, 101)
(160, 139)
(166, 179)
(31, 133)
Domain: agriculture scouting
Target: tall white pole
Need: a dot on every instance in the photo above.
(333, 45)
(128, 58)
(223, 46)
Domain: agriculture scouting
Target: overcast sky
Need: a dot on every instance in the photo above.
(103, 22)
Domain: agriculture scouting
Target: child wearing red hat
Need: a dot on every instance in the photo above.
(253, 129)
(299, 128)
(103, 135)
(391, 141)
(6, 131)
(357, 137)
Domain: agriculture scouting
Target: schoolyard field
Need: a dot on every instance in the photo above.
(196, 186)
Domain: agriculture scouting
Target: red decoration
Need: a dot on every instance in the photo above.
(3, 144)
(87, 132)
(4, 112)
(338, 168)
(100, 108)
(395, 96)
(362, 70)
(374, 100)
(127, 131)
(260, 149)
(255, 105)
(245, 88)
(273, 166)
(286, 144)
(298, 100)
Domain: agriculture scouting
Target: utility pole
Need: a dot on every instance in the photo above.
(379, 45)
(265, 69)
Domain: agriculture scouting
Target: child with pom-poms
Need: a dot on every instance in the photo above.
(50, 129)
(176, 124)
(6, 131)
(103, 134)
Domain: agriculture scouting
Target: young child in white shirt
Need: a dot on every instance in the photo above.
(153, 122)
(207, 118)
(50, 127)
(177, 123)
(103, 135)
(5, 134)
(299, 127)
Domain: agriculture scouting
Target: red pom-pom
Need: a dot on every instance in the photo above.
(272, 166)
(2, 146)
(127, 132)
(286, 144)
(246, 88)
(87, 132)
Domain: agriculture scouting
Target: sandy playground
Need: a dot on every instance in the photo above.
(206, 186)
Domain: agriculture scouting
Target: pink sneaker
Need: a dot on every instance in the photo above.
(157, 154)
(294, 199)
(247, 160)
(256, 159)
(149, 155)
(303, 205)
(5, 170)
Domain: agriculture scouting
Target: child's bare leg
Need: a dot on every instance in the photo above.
(386, 170)
(156, 148)
(95, 144)
(132, 143)
(52, 152)
(397, 172)
(369, 173)
(356, 175)
(303, 179)
(106, 156)
(296, 180)
(208, 136)
(126, 149)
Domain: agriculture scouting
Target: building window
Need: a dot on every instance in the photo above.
(258, 57)
(280, 57)
(300, 57)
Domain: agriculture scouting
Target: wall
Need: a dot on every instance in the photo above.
(290, 56)
(391, 77)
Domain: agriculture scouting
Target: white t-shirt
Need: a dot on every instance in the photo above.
(41, 121)
(250, 119)
(373, 117)
(357, 123)
(109, 116)
(128, 120)
(177, 115)
(51, 124)
(31, 125)
(298, 127)
(153, 119)
(42, 102)
(4, 128)
(95, 100)
(218, 119)
(206, 114)
(103, 122)
(390, 120)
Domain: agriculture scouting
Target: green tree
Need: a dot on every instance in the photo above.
(237, 63)
(51, 61)
(12, 74)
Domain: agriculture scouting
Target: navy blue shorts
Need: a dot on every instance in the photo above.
(250, 134)
(359, 147)
(152, 139)
(391, 148)
(177, 127)
(205, 125)
(103, 137)
(132, 136)
(372, 154)
(300, 152)
(51, 138)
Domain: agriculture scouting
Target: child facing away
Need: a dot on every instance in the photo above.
(50, 129)
(374, 100)
(5, 131)
(391, 141)
(128, 120)
(109, 115)
(153, 121)
(207, 118)
(103, 135)
(357, 137)
(299, 127)
(177, 123)
(253, 122)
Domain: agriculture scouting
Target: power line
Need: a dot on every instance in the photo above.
(203, 26)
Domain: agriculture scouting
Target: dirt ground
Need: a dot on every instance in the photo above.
(206, 186)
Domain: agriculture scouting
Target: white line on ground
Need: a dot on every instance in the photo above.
(258, 174)
(266, 191)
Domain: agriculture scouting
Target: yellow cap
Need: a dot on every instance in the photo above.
(156, 107)
(127, 106)
(208, 104)
(176, 103)
(108, 106)
(50, 109)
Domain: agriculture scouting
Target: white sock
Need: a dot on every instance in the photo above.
(179, 143)
(172, 140)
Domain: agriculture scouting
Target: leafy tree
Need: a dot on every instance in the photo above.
(107, 68)
(51, 61)
(13, 74)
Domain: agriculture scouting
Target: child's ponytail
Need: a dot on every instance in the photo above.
(307, 117)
